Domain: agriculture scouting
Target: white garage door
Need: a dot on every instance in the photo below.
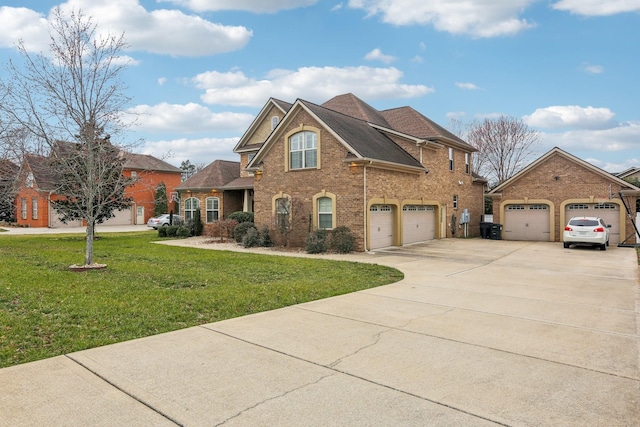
(418, 223)
(609, 212)
(381, 228)
(527, 222)
(123, 217)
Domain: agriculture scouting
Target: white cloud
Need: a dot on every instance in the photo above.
(377, 55)
(625, 137)
(163, 31)
(467, 86)
(592, 69)
(480, 18)
(570, 116)
(20, 23)
(597, 7)
(204, 150)
(188, 118)
(316, 84)
(256, 6)
(162, 81)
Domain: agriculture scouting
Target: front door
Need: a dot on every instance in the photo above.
(140, 215)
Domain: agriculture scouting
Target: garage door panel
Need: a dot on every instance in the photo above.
(381, 226)
(609, 212)
(124, 217)
(527, 222)
(419, 223)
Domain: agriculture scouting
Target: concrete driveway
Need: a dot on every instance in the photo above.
(479, 333)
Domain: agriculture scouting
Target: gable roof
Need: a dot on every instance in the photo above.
(148, 163)
(361, 141)
(40, 167)
(215, 175)
(261, 117)
(628, 172)
(570, 157)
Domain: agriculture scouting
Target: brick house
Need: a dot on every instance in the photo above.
(37, 184)
(216, 191)
(536, 203)
(393, 177)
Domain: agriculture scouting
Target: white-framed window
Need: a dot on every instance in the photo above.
(325, 213)
(213, 209)
(191, 205)
(274, 122)
(578, 206)
(303, 150)
(29, 181)
(451, 158)
(467, 163)
(134, 174)
(34, 207)
(515, 207)
(23, 207)
(455, 201)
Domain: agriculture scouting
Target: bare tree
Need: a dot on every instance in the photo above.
(73, 97)
(505, 145)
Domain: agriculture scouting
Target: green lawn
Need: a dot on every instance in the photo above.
(47, 310)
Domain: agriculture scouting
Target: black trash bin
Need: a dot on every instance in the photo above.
(496, 232)
(485, 229)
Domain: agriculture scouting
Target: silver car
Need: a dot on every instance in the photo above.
(586, 229)
(163, 220)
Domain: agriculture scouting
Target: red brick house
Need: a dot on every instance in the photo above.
(37, 183)
(536, 203)
(393, 177)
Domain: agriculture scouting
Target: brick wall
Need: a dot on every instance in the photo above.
(347, 183)
(558, 179)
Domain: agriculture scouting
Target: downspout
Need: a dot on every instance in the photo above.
(364, 210)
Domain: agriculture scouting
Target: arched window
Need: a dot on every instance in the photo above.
(283, 212)
(303, 150)
(191, 205)
(213, 209)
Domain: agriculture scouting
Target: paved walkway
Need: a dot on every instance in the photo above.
(479, 333)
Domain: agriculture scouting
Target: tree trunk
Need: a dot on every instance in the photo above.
(88, 253)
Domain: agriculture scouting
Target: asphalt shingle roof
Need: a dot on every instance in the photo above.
(215, 175)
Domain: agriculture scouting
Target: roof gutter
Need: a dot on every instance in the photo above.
(364, 161)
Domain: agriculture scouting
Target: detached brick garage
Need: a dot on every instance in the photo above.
(536, 203)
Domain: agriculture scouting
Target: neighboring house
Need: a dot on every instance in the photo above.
(37, 188)
(631, 173)
(149, 171)
(536, 203)
(393, 177)
(8, 173)
(215, 191)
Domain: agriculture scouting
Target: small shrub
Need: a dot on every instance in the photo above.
(172, 230)
(240, 216)
(162, 231)
(183, 231)
(317, 242)
(265, 237)
(342, 240)
(251, 238)
(241, 229)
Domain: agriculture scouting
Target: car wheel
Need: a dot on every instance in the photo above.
(165, 225)
(603, 247)
(607, 243)
(566, 245)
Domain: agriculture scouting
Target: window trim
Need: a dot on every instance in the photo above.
(191, 210)
(287, 149)
(34, 208)
(215, 210)
(467, 163)
(275, 211)
(274, 122)
(23, 207)
(316, 209)
(451, 163)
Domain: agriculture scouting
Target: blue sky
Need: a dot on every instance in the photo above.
(202, 69)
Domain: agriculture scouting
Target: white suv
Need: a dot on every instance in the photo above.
(586, 229)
